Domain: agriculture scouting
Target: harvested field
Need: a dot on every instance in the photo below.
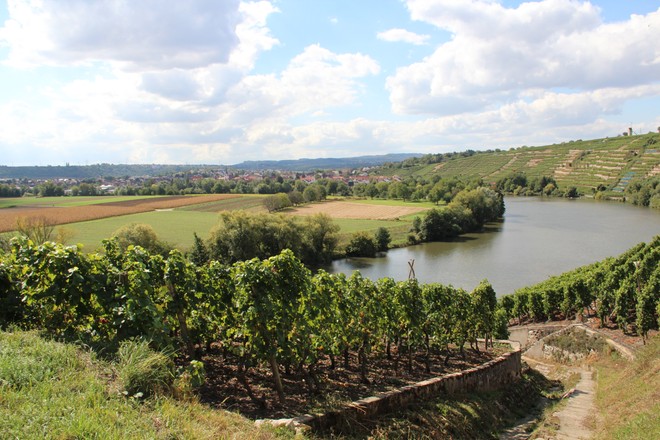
(338, 209)
(73, 214)
(252, 203)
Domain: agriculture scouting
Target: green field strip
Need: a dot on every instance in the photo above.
(175, 227)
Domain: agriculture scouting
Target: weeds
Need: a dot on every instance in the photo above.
(143, 371)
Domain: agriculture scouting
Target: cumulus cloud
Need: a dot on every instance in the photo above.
(403, 35)
(314, 80)
(497, 53)
(146, 34)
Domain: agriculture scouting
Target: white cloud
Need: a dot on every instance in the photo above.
(314, 80)
(542, 71)
(145, 34)
(403, 35)
(497, 53)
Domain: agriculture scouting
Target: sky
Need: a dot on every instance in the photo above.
(223, 81)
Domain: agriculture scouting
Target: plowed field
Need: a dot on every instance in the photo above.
(64, 215)
(338, 209)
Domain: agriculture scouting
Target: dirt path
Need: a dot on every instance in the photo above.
(573, 418)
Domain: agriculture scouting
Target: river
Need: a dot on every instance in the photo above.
(538, 238)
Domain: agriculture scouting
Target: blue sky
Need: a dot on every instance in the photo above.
(219, 82)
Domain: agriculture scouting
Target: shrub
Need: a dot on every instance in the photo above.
(361, 245)
(143, 235)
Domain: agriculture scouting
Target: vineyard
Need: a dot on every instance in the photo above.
(271, 313)
(587, 165)
(274, 317)
(621, 292)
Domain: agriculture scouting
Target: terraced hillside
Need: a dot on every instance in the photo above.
(610, 162)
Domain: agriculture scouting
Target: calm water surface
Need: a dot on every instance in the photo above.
(538, 238)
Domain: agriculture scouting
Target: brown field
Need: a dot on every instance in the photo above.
(338, 209)
(73, 214)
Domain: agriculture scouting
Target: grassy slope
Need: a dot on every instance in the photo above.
(54, 390)
(628, 395)
(583, 164)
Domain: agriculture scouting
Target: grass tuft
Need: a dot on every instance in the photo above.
(143, 371)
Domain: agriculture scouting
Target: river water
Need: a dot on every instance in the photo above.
(538, 238)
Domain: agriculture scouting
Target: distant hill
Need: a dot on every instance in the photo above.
(305, 165)
(610, 162)
(95, 171)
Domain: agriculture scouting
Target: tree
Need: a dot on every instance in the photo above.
(296, 198)
(277, 202)
(486, 205)
(361, 245)
(383, 239)
(140, 234)
(320, 238)
(572, 193)
(200, 254)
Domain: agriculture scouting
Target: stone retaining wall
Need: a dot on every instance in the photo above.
(528, 335)
(492, 375)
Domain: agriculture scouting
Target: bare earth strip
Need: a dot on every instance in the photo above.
(64, 215)
(338, 209)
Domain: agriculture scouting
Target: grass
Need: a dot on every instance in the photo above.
(399, 229)
(50, 390)
(175, 227)
(628, 395)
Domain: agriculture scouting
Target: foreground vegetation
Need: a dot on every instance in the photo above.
(627, 396)
(54, 390)
(268, 312)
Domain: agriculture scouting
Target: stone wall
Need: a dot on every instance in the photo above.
(528, 335)
(492, 375)
(538, 349)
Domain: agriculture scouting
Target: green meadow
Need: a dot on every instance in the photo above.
(176, 227)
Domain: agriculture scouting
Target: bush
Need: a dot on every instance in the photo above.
(361, 245)
(139, 234)
(143, 370)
